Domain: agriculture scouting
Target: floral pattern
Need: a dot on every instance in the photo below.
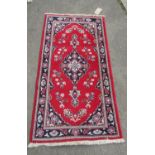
(74, 94)
(49, 124)
(90, 80)
(74, 66)
(57, 79)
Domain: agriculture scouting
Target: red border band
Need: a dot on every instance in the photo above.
(111, 77)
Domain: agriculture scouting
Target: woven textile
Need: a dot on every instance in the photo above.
(74, 101)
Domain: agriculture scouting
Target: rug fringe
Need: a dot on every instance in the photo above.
(97, 142)
(46, 13)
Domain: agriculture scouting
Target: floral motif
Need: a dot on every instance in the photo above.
(75, 117)
(90, 80)
(39, 132)
(89, 53)
(96, 118)
(74, 94)
(58, 27)
(59, 55)
(58, 79)
(75, 132)
(74, 66)
(54, 133)
(86, 40)
(53, 119)
(88, 100)
(73, 28)
(60, 99)
(74, 42)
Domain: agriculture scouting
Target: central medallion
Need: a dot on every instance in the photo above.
(74, 66)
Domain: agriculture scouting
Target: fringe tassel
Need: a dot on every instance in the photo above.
(97, 142)
(95, 15)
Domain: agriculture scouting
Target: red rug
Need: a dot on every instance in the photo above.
(75, 101)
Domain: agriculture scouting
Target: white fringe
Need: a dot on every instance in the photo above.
(97, 142)
(49, 13)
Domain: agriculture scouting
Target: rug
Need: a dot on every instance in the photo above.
(75, 101)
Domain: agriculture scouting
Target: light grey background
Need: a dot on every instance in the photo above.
(124, 2)
(116, 29)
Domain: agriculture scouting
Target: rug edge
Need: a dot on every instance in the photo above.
(97, 142)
